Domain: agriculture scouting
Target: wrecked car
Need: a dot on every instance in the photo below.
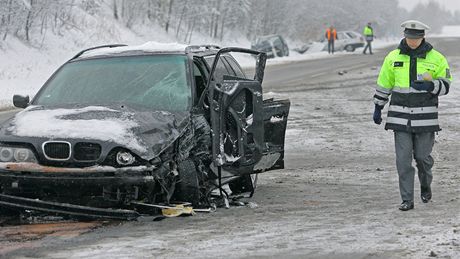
(272, 45)
(119, 130)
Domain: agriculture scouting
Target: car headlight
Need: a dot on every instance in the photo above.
(19, 155)
(6, 154)
(125, 158)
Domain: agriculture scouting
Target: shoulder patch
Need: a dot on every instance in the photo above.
(398, 64)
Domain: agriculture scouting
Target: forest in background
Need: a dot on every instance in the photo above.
(301, 20)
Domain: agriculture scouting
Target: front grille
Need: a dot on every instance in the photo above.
(87, 151)
(56, 150)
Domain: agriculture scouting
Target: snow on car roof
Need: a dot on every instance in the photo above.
(150, 46)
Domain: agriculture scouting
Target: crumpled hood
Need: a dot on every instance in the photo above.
(145, 133)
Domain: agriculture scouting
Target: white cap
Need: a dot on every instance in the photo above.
(414, 29)
(414, 25)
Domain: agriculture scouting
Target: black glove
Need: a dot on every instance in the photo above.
(423, 85)
(378, 114)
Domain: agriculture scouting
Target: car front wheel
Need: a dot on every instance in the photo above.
(349, 48)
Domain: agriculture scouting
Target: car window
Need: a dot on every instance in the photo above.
(235, 67)
(155, 82)
(221, 69)
(351, 35)
(341, 36)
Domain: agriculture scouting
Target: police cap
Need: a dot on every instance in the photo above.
(414, 29)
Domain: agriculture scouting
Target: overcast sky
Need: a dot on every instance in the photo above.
(447, 4)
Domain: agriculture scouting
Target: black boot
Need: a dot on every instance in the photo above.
(406, 205)
(425, 194)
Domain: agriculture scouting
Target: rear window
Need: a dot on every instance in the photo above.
(352, 35)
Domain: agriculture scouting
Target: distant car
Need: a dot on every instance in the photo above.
(304, 48)
(348, 41)
(132, 127)
(272, 45)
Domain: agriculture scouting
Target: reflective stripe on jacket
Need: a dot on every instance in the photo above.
(412, 110)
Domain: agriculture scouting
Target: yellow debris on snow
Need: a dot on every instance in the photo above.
(178, 210)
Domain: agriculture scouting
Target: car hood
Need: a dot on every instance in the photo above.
(146, 133)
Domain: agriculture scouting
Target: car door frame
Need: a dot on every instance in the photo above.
(222, 96)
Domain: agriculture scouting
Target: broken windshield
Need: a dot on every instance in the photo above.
(155, 82)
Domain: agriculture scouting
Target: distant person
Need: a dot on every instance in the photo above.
(369, 36)
(415, 75)
(331, 36)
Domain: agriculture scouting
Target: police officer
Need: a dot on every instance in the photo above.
(415, 75)
(368, 33)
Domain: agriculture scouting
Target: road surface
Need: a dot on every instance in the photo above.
(337, 198)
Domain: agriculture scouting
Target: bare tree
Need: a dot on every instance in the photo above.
(115, 9)
(32, 20)
(168, 19)
(6, 18)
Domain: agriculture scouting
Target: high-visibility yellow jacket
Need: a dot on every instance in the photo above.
(411, 110)
(368, 31)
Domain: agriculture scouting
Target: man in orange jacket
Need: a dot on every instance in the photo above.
(331, 36)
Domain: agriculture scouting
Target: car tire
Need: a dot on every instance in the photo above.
(188, 187)
(349, 48)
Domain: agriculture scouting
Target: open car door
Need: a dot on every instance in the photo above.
(247, 132)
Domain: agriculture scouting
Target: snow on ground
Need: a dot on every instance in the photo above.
(449, 31)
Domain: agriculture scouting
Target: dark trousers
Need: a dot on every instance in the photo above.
(409, 147)
(368, 46)
(330, 46)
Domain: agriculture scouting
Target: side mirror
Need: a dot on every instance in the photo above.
(21, 101)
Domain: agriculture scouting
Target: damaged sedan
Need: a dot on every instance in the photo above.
(119, 131)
